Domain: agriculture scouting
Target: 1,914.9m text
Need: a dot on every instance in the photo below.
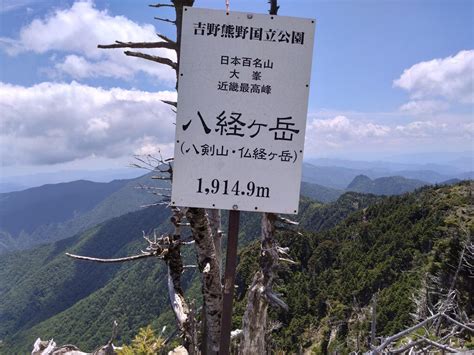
(238, 188)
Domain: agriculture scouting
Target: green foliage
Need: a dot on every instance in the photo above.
(384, 246)
(75, 301)
(144, 343)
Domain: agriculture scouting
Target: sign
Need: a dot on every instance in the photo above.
(242, 106)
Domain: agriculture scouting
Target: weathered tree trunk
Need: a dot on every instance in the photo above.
(255, 318)
(211, 282)
(216, 232)
(180, 308)
(261, 292)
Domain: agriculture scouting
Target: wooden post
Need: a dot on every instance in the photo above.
(229, 280)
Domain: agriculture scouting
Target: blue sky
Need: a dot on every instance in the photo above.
(389, 78)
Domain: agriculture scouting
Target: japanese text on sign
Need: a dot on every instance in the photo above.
(241, 118)
(248, 32)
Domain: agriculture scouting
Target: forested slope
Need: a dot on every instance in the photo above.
(390, 249)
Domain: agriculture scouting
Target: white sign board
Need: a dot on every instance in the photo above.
(242, 106)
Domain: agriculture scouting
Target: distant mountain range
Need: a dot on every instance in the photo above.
(442, 163)
(57, 211)
(53, 212)
(22, 182)
(340, 177)
(335, 173)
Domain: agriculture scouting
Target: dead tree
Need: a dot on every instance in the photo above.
(260, 294)
(446, 321)
(440, 343)
(50, 348)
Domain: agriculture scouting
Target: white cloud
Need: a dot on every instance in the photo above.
(422, 129)
(76, 32)
(52, 123)
(149, 147)
(450, 78)
(78, 67)
(469, 129)
(343, 134)
(340, 132)
(419, 107)
(341, 127)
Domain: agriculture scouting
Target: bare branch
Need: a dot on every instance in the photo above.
(161, 5)
(172, 103)
(439, 346)
(160, 177)
(405, 332)
(286, 221)
(144, 187)
(165, 20)
(116, 260)
(458, 323)
(153, 58)
(163, 203)
(119, 44)
(274, 299)
(166, 39)
(406, 347)
(289, 261)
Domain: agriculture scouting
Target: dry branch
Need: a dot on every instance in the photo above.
(393, 338)
(119, 44)
(165, 20)
(114, 260)
(166, 39)
(153, 58)
(287, 221)
(171, 103)
(439, 346)
(464, 326)
(161, 5)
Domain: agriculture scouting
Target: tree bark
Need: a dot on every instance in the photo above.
(209, 267)
(261, 293)
(216, 232)
(255, 318)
